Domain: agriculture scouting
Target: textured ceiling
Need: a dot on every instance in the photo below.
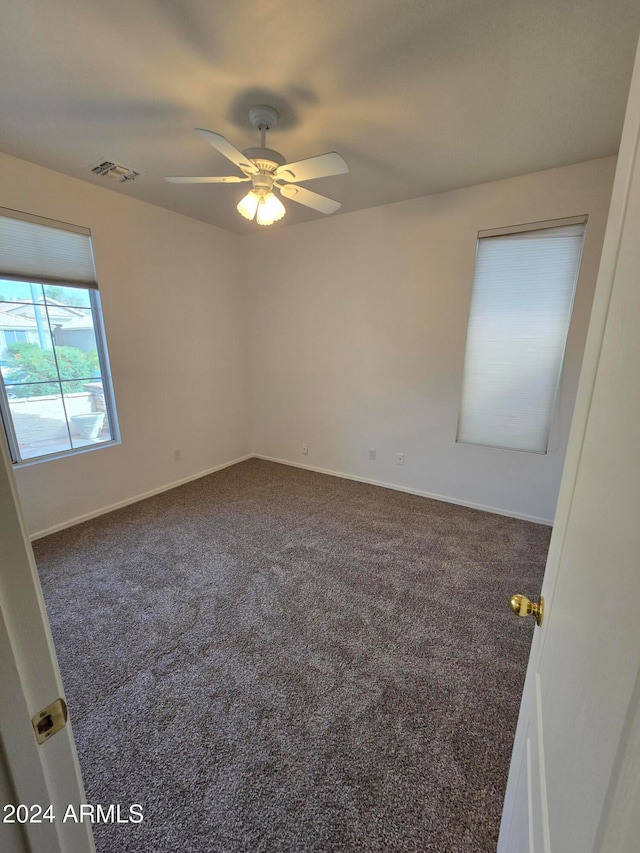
(419, 96)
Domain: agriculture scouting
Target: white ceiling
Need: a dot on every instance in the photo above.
(419, 96)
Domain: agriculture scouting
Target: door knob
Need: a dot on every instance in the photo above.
(521, 606)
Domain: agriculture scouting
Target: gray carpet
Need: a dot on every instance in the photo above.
(269, 659)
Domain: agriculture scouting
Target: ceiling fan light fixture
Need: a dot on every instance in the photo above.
(248, 205)
(270, 209)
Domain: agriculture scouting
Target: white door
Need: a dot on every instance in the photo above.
(32, 775)
(574, 783)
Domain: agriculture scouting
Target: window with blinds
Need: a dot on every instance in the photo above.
(56, 395)
(523, 289)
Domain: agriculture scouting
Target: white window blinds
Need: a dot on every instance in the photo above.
(36, 249)
(521, 304)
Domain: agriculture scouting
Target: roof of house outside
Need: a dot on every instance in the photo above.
(19, 316)
(54, 308)
(15, 321)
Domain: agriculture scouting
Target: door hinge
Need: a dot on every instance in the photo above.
(50, 720)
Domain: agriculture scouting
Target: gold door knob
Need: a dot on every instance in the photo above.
(521, 606)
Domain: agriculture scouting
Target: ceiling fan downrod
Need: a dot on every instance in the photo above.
(263, 118)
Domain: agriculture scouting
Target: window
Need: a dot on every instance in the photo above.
(55, 385)
(521, 303)
(13, 337)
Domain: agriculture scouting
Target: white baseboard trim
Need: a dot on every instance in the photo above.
(104, 510)
(420, 492)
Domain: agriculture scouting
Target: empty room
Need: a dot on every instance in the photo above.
(319, 494)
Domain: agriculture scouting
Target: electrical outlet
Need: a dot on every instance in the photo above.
(372, 453)
(177, 455)
(400, 459)
(305, 449)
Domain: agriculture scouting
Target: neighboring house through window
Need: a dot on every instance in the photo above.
(56, 395)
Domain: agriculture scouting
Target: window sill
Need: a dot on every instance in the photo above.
(62, 454)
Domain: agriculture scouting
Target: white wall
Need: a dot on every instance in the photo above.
(357, 327)
(173, 301)
(351, 330)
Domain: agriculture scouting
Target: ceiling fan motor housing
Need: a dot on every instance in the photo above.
(267, 160)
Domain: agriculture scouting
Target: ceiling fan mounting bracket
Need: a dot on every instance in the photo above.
(263, 117)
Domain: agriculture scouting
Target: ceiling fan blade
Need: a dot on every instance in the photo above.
(230, 151)
(227, 179)
(310, 199)
(314, 167)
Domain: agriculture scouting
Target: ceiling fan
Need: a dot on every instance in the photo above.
(268, 170)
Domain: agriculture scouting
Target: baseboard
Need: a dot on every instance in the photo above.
(420, 492)
(128, 501)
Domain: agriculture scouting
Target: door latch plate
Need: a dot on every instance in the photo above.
(50, 720)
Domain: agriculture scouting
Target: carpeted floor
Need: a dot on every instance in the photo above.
(269, 659)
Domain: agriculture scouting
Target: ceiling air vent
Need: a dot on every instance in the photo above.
(114, 171)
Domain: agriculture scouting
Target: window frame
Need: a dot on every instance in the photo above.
(38, 251)
(6, 418)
